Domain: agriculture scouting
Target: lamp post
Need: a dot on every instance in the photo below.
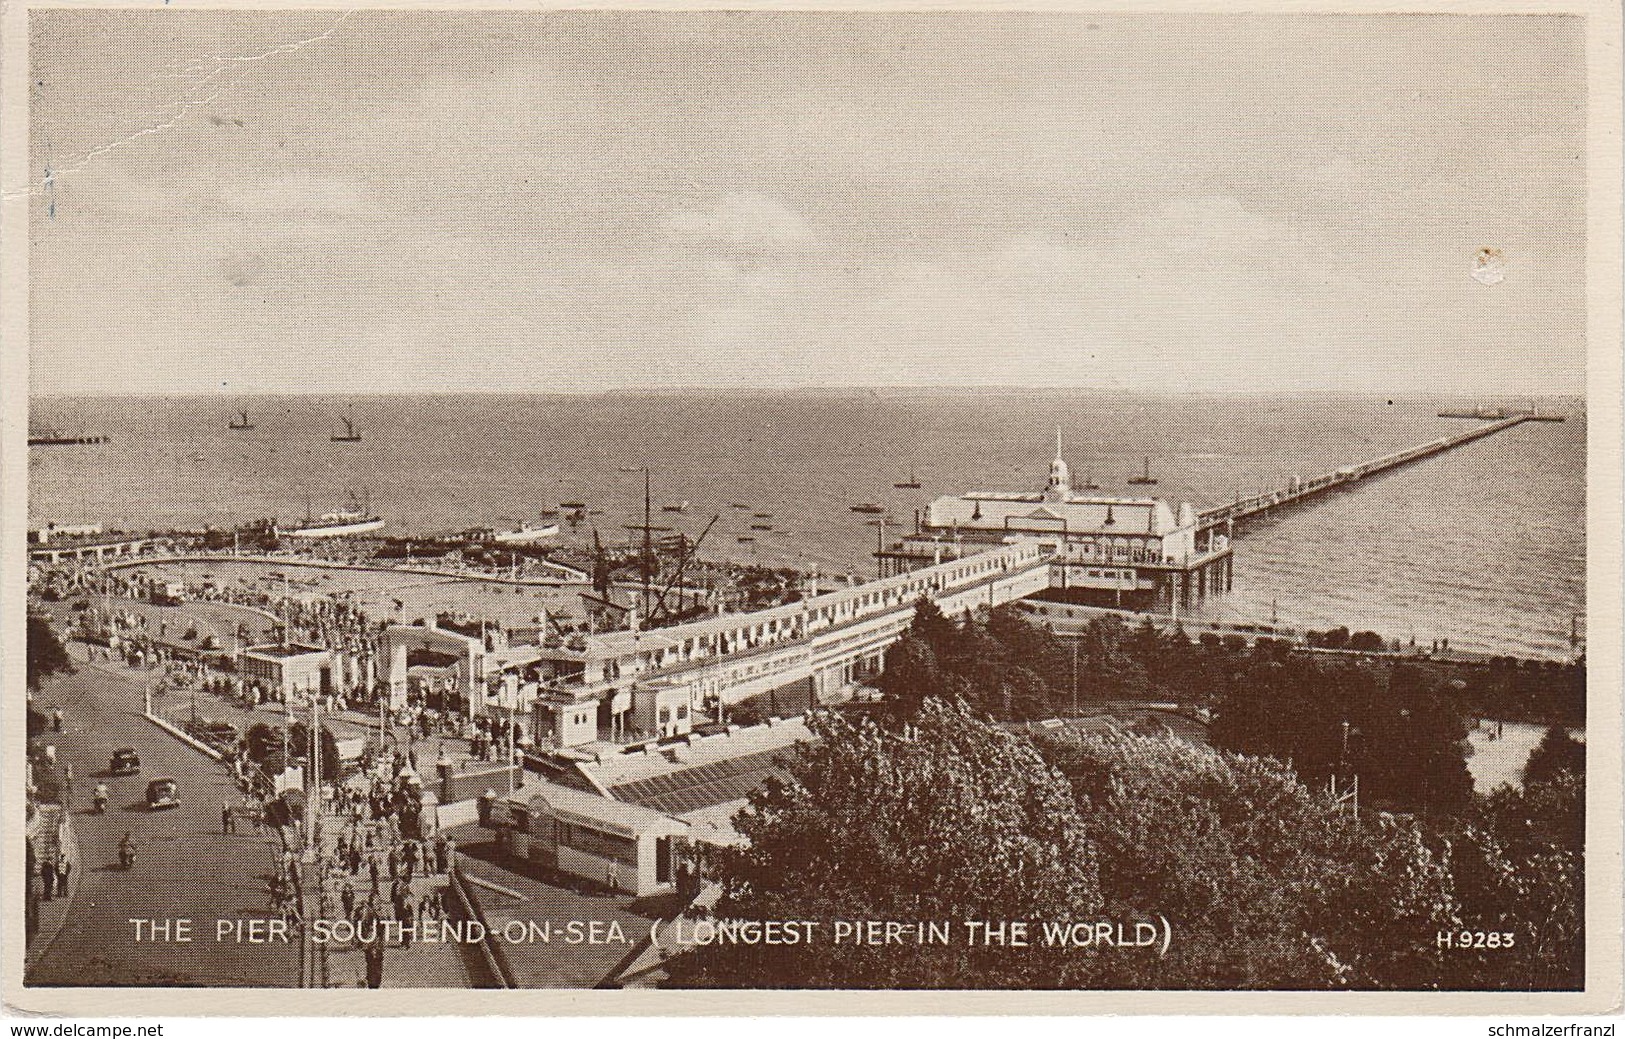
(1075, 639)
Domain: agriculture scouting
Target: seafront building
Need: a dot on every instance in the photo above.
(1126, 552)
(287, 671)
(635, 818)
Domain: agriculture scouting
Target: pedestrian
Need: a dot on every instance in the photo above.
(228, 824)
(613, 878)
(404, 915)
(347, 899)
(440, 853)
(449, 863)
(47, 876)
(64, 869)
(67, 785)
(56, 719)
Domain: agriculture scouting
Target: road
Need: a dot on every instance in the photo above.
(185, 867)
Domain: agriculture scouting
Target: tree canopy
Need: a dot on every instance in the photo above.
(46, 654)
(949, 819)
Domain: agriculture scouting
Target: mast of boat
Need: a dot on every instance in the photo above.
(648, 545)
(880, 547)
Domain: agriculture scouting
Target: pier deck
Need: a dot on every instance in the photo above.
(1302, 490)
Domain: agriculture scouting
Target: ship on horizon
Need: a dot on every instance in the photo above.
(240, 422)
(350, 435)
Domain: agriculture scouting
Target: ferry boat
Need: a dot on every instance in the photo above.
(241, 421)
(869, 508)
(343, 523)
(1144, 476)
(350, 435)
(912, 483)
(527, 532)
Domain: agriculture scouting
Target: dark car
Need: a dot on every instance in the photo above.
(162, 793)
(124, 762)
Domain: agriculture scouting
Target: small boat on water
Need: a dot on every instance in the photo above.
(869, 508)
(350, 435)
(526, 533)
(912, 483)
(1144, 476)
(746, 538)
(763, 515)
(681, 506)
(761, 526)
(1088, 484)
(737, 505)
(241, 421)
(572, 505)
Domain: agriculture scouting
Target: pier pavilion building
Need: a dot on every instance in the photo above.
(1127, 552)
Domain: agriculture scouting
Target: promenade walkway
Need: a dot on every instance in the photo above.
(361, 864)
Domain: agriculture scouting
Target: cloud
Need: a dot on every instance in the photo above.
(745, 220)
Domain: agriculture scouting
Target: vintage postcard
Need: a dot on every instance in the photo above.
(642, 510)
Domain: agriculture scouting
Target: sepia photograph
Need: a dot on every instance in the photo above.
(764, 501)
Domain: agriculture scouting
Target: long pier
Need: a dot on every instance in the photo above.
(1300, 490)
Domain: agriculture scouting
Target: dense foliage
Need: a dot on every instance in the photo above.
(931, 809)
(949, 820)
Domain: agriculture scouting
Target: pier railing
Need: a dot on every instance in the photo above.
(1299, 490)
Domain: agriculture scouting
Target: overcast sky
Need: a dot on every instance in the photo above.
(408, 202)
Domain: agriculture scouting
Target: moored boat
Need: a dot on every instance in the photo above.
(527, 532)
(339, 524)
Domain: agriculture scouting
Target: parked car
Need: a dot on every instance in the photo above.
(162, 793)
(124, 762)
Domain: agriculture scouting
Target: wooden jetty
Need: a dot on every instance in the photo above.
(1301, 490)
